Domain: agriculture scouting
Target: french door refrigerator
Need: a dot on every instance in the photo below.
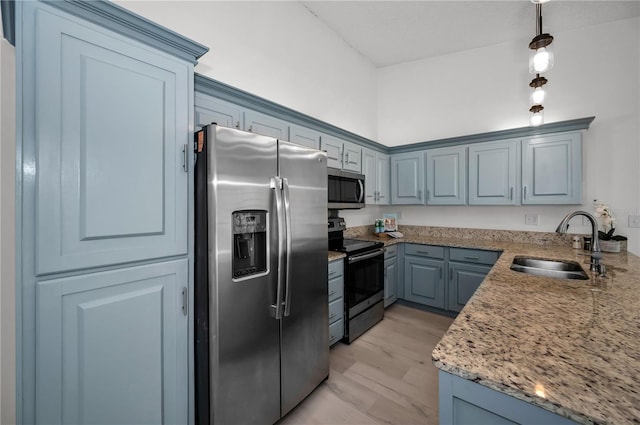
(261, 311)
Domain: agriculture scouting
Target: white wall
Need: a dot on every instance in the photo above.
(279, 51)
(7, 234)
(486, 89)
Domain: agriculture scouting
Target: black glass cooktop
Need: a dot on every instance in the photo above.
(355, 246)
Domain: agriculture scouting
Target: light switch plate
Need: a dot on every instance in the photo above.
(531, 219)
(634, 221)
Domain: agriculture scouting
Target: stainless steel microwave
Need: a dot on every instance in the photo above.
(345, 189)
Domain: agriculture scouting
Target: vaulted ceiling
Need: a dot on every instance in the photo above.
(391, 32)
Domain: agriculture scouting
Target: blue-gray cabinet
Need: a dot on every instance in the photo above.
(210, 110)
(552, 169)
(113, 346)
(494, 169)
(375, 167)
(336, 301)
(424, 275)
(342, 154)
(446, 172)
(390, 275)
(304, 136)
(109, 146)
(463, 402)
(407, 178)
(106, 106)
(464, 279)
(259, 123)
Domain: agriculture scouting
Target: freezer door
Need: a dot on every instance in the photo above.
(244, 334)
(305, 330)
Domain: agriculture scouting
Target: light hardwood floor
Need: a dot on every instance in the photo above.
(383, 377)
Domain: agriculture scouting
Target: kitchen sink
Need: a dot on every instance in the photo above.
(558, 269)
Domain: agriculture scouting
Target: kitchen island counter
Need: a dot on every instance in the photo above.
(571, 347)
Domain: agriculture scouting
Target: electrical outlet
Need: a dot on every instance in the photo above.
(585, 221)
(531, 219)
(634, 221)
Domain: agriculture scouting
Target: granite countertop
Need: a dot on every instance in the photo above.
(334, 255)
(571, 347)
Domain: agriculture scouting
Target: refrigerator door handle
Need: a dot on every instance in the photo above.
(276, 185)
(287, 217)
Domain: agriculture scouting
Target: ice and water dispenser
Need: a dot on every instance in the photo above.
(249, 243)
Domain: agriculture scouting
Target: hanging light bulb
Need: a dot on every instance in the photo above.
(537, 115)
(538, 94)
(541, 57)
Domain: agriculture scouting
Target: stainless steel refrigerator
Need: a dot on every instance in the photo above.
(261, 312)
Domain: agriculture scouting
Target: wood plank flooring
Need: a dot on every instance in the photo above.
(383, 377)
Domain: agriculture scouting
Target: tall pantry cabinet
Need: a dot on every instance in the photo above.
(105, 122)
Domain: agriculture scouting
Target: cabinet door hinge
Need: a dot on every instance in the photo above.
(185, 301)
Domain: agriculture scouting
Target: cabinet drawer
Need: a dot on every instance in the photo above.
(336, 288)
(336, 331)
(473, 256)
(391, 251)
(336, 310)
(336, 268)
(431, 251)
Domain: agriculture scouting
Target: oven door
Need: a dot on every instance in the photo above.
(364, 280)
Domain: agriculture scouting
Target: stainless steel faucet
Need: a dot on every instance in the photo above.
(596, 254)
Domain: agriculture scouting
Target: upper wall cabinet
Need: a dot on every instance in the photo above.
(304, 136)
(375, 167)
(210, 110)
(552, 169)
(266, 125)
(446, 170)
(341, 154)
(407, 178)
(110, 134)
(493, 173)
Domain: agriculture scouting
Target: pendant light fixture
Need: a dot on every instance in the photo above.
(540, 60)
(541, 56)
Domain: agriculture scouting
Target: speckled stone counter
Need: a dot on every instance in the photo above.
(571, 347)
(333, 255)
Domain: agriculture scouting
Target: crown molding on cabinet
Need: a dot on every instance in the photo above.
(119, 20)
(554, 127)
(247, 100)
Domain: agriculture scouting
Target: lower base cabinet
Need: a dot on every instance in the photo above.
(463, 402)
(464, 279)
(443, 277)
(113, 346)
(336, 301)
(423, 275)
(390, 275)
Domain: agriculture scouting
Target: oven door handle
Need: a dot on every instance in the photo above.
(363, 257)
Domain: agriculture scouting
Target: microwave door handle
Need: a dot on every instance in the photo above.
(361, 186)
(276, 185)
(287, 218)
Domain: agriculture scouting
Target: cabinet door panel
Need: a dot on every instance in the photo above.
(552, 169)
(112, 347)
(424, 282)
(107, 193)
(210, 110)
(266, 125)
(304, 136)
(493, 173)
(333, 147)
(446, 176)
(369, 171)
(382, 178)
(352, 159)
(390, 281)
(407, 178)
(464, 279)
